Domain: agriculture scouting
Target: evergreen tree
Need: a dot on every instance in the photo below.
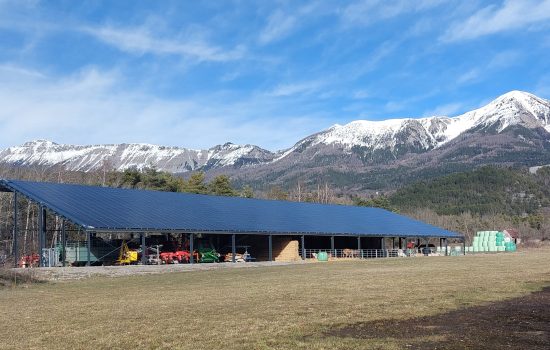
(221, 186)
(196, 184)
(377, 202)
(247, 192)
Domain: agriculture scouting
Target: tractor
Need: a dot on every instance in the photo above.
(206, 253)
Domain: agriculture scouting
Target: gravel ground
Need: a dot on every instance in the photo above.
(73, 273)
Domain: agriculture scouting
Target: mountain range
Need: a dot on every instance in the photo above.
(514, 129)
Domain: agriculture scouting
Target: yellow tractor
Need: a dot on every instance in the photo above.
(127, 256)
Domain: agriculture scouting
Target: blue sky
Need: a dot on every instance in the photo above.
(196, 74)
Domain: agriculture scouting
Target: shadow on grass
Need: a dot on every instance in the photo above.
(519, 323)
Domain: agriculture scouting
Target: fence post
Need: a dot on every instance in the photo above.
(270, 247)
(15, 233)
(303, 239)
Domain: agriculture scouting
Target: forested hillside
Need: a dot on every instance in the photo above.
(488, 190)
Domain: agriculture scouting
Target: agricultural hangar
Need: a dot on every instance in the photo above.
(100, 225)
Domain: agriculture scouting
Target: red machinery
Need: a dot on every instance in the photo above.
(179, 256)
(31, 260)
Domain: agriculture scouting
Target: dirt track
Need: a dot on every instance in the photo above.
(519, 323)
(72, 273)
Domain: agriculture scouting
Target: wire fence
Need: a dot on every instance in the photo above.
(373, 253)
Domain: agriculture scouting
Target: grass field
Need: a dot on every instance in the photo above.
(336, 305)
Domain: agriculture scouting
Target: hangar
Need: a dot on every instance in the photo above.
(231, 222)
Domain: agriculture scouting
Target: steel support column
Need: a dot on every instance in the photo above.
(233, 248)
(192, 248)
(359, 247)
(393, 243)
(400, 243)
(332, 251)
(15, 232)
(41, 234)
(63, 243)
(89, 248)
(143, 250)
(446, 247)
(270, 247)
(303, 247)
(383, 246)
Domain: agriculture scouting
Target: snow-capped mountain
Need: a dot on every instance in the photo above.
(125, 156)
(423, 134)
(514, 128)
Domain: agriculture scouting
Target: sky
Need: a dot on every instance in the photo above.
(200, 73)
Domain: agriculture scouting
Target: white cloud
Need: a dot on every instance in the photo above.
(449, 109)
(300, 88)
(468, 77)
(505, 59)
(367, 12)
(542, 87)
(95, 106)
(141, 40)
(498, 61)
(361, 94)
(279, 25)
(513, 14)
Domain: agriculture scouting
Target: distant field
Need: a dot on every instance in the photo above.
(448, 302)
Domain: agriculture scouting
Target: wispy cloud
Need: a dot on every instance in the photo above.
(361, 94)
(448, 109)
(279, 25)
(141, 40)
(94, 106)
(505, 59)
(513, 14)
(298, 88)
(498, 61)
(366, 12)
(469, 76)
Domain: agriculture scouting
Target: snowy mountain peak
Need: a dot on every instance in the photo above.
(370, 140)
(512, 108)
(132, 155)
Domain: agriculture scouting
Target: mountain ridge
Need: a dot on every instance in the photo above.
(516, 123)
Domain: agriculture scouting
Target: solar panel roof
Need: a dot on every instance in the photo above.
(114, 209)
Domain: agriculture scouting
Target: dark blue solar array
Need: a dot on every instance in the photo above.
(103, 209)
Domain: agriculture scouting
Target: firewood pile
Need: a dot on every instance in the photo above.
(238, 257)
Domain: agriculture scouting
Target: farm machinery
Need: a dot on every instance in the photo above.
(180, 254)
(177, 257)
(127, 256)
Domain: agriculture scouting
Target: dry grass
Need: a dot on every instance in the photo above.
(259, 308)
(13, 278)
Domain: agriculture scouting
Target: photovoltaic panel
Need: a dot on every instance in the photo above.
(111, 209)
